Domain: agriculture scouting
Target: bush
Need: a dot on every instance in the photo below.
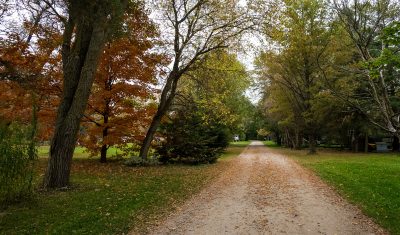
(133, 150)
(138, 161)
(190, 140)
(17, 157)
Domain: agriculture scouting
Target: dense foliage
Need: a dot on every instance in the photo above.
(332, 74)
(209, 108)
(163, 81)
(122, 100)
(17, 159)
(190, 139)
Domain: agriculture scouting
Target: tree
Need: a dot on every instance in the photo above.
(4, 6)
(193, 29)
(122, 101)
(206, 110)
(294, 68)
(365, 23)
(30, 71)
(87, 27)
(217, 83)
(22, 70)
(190, 139)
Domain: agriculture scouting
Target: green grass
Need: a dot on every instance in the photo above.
(240, 143)
(371, 181)
(271, 144)
(110, 198)
(80, 152)
(233, 151)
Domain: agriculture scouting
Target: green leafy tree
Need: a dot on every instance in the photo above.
(193, 29)
(218, 83)
(192, 140)
(294, 67)
(206, 110)
(373, 30)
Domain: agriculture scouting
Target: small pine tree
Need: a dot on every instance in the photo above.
(189, 139)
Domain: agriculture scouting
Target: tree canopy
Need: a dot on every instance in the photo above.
(135, 73)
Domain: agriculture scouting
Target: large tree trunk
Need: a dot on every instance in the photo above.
(289, 139)
(150, 133)
(395, 144)
(166, 99)
(278, 139)
(61, 152)
(104, 147)
(298, 140)
(103, 153)
(356, 144)
(79, 67)
(312, 144)
(106, 115)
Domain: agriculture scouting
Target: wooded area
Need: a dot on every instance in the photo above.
(168, 82)
(332, 74)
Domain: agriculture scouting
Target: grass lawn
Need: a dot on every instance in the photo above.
(371, 181)
(110, 198)
(80, 152)
(270, 144)
(240, 143)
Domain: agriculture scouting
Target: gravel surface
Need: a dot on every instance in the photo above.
(264, 192)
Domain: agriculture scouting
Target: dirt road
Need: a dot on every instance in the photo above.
(267, 193)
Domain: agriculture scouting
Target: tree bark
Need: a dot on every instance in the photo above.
(106, 115)
(155, 123)
(312, 144)
(104, 147)
(356, 147)
(103, 153)
(79, 67)
(167, 97)
(298, 141)
(278, 139)
(395, 144)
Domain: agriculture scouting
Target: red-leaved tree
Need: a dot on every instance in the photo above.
(122, 102)
(30, 70)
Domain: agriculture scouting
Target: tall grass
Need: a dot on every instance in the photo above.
(17, 158)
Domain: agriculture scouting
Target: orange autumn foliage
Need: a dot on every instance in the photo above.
(122, 102)
(30, 74)
(123, 93)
